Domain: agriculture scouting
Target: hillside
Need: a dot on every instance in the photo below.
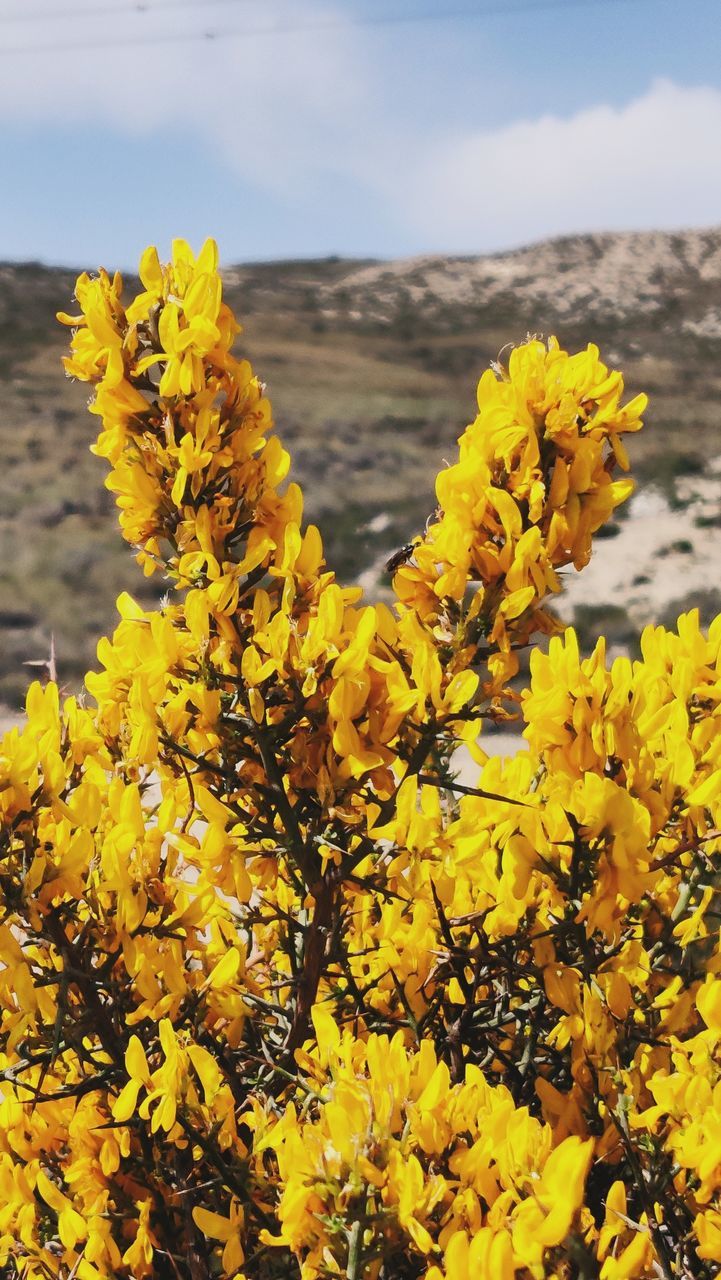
(372, 369)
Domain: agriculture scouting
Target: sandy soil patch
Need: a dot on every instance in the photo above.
(659, 556)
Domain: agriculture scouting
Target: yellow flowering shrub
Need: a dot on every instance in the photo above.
(279, 995)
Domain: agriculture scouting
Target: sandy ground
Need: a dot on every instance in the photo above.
(660, 555)
(7, 720)
(503, 744)
(494, 744)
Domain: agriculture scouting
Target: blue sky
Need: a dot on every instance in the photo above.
(348, 133)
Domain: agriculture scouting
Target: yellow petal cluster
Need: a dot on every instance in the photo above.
(454, 1174)
(532, 484)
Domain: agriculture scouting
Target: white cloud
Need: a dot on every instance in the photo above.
(298, 113)
(277, 107)
(652, 163)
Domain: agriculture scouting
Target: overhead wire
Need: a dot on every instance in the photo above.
(132, 9)
(284, 27)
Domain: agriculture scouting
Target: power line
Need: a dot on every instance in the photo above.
(134, 9)
(282, 28)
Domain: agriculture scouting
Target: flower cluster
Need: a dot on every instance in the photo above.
(279, 996)
(400, 1162)
(532, 484)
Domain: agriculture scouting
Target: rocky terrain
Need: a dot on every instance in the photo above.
(595, 276)
(372, 367)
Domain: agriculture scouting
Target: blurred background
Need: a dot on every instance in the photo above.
(399, 189)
